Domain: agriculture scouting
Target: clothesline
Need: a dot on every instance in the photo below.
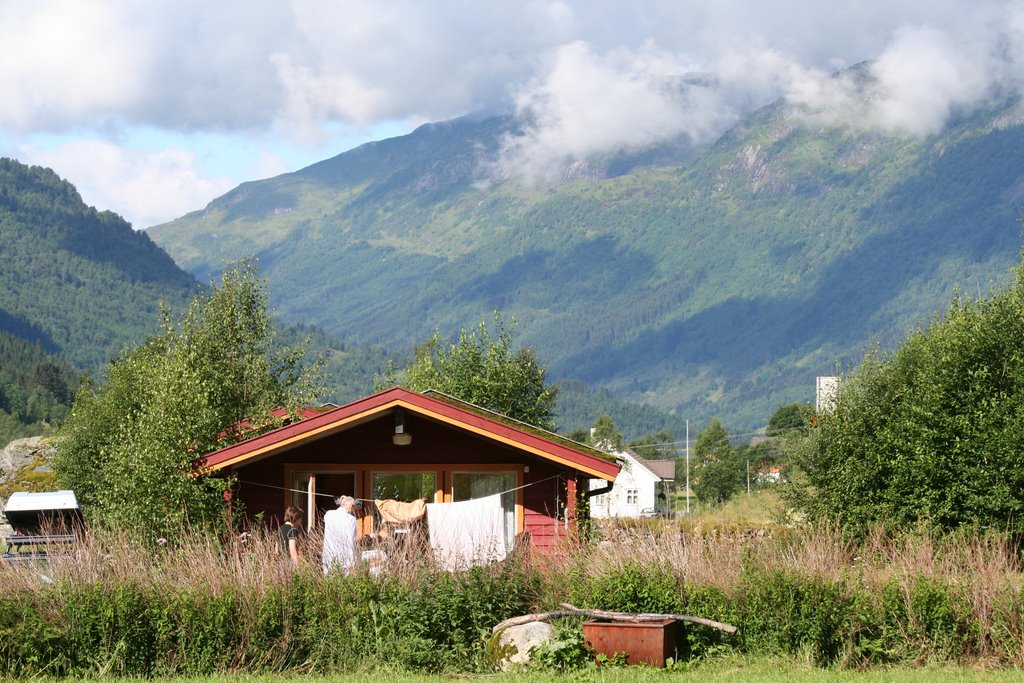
(370, 500)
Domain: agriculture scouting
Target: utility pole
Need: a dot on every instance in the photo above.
(687, 467)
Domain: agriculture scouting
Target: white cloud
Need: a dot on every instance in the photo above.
(146, 187)
(926, 74)
(923, 76)
(362, 61)
(66, 62)
(303, 65)
(929, 62)
(596, 75)
(590, 103)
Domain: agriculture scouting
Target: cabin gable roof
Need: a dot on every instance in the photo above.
(432, 405)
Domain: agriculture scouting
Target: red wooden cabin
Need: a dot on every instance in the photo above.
(403, 445)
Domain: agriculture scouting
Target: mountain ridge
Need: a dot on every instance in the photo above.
(713, 283)
(80, 285)
(77, 280)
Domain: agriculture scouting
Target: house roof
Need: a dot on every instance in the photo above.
(432, 405)
(662, 469)
(666, 469)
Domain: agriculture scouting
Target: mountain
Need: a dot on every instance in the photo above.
(714, 282)
(77, 281)
(579, 406)
(78, 285)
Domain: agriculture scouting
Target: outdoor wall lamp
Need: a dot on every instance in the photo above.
(400, 437)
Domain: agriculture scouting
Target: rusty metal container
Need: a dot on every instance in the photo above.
(649, 642)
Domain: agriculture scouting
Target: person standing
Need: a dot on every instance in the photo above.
(289, 533)
(340, 536)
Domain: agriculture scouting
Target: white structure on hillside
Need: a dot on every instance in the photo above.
(825, 394)
(642, 489)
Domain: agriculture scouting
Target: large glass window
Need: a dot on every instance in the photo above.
(405, 486)
(325, 486)
(470, 485)
(300, 484)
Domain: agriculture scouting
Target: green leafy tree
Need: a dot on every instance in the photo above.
(604, 435)
(717, 475)
(482, 368)
(791, 417)
(717, 481)
(712, 443)
(933, 431)
(127, 446)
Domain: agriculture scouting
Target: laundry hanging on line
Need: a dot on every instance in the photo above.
(467, 533)
(399, 512)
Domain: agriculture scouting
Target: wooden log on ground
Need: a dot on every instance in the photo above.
(604, 615)
(540, 616)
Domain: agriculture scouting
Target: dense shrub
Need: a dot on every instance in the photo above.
(318, 624)
(631, 589)
(789, 613)
(710, 602)
(931, 433)
(211, 609)
(33, 639)
(109, 628)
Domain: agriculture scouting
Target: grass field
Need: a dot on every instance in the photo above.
(758, 671)
(761, 507)
(802, 599)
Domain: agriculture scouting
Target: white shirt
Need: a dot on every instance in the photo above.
(339, 540)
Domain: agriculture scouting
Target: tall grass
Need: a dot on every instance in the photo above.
(200, 604)
(812, 592)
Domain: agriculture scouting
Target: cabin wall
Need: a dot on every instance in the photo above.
(544, 504)
(259, 489)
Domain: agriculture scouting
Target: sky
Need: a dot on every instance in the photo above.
(154, 108)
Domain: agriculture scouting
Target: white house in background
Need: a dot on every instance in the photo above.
(642, 488)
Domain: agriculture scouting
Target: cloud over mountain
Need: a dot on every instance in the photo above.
(591, 76)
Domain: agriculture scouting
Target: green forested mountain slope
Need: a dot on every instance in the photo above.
(79, 282)
(76, 286)
(36, 388)
(713, 282)
(579, 406)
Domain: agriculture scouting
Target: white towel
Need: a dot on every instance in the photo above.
(467, 533)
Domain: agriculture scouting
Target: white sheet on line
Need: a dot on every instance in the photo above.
(467, 533)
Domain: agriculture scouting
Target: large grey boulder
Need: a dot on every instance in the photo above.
(512, 645)
(23, 451)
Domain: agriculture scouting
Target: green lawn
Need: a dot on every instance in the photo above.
(761, 671)
(762, 507)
